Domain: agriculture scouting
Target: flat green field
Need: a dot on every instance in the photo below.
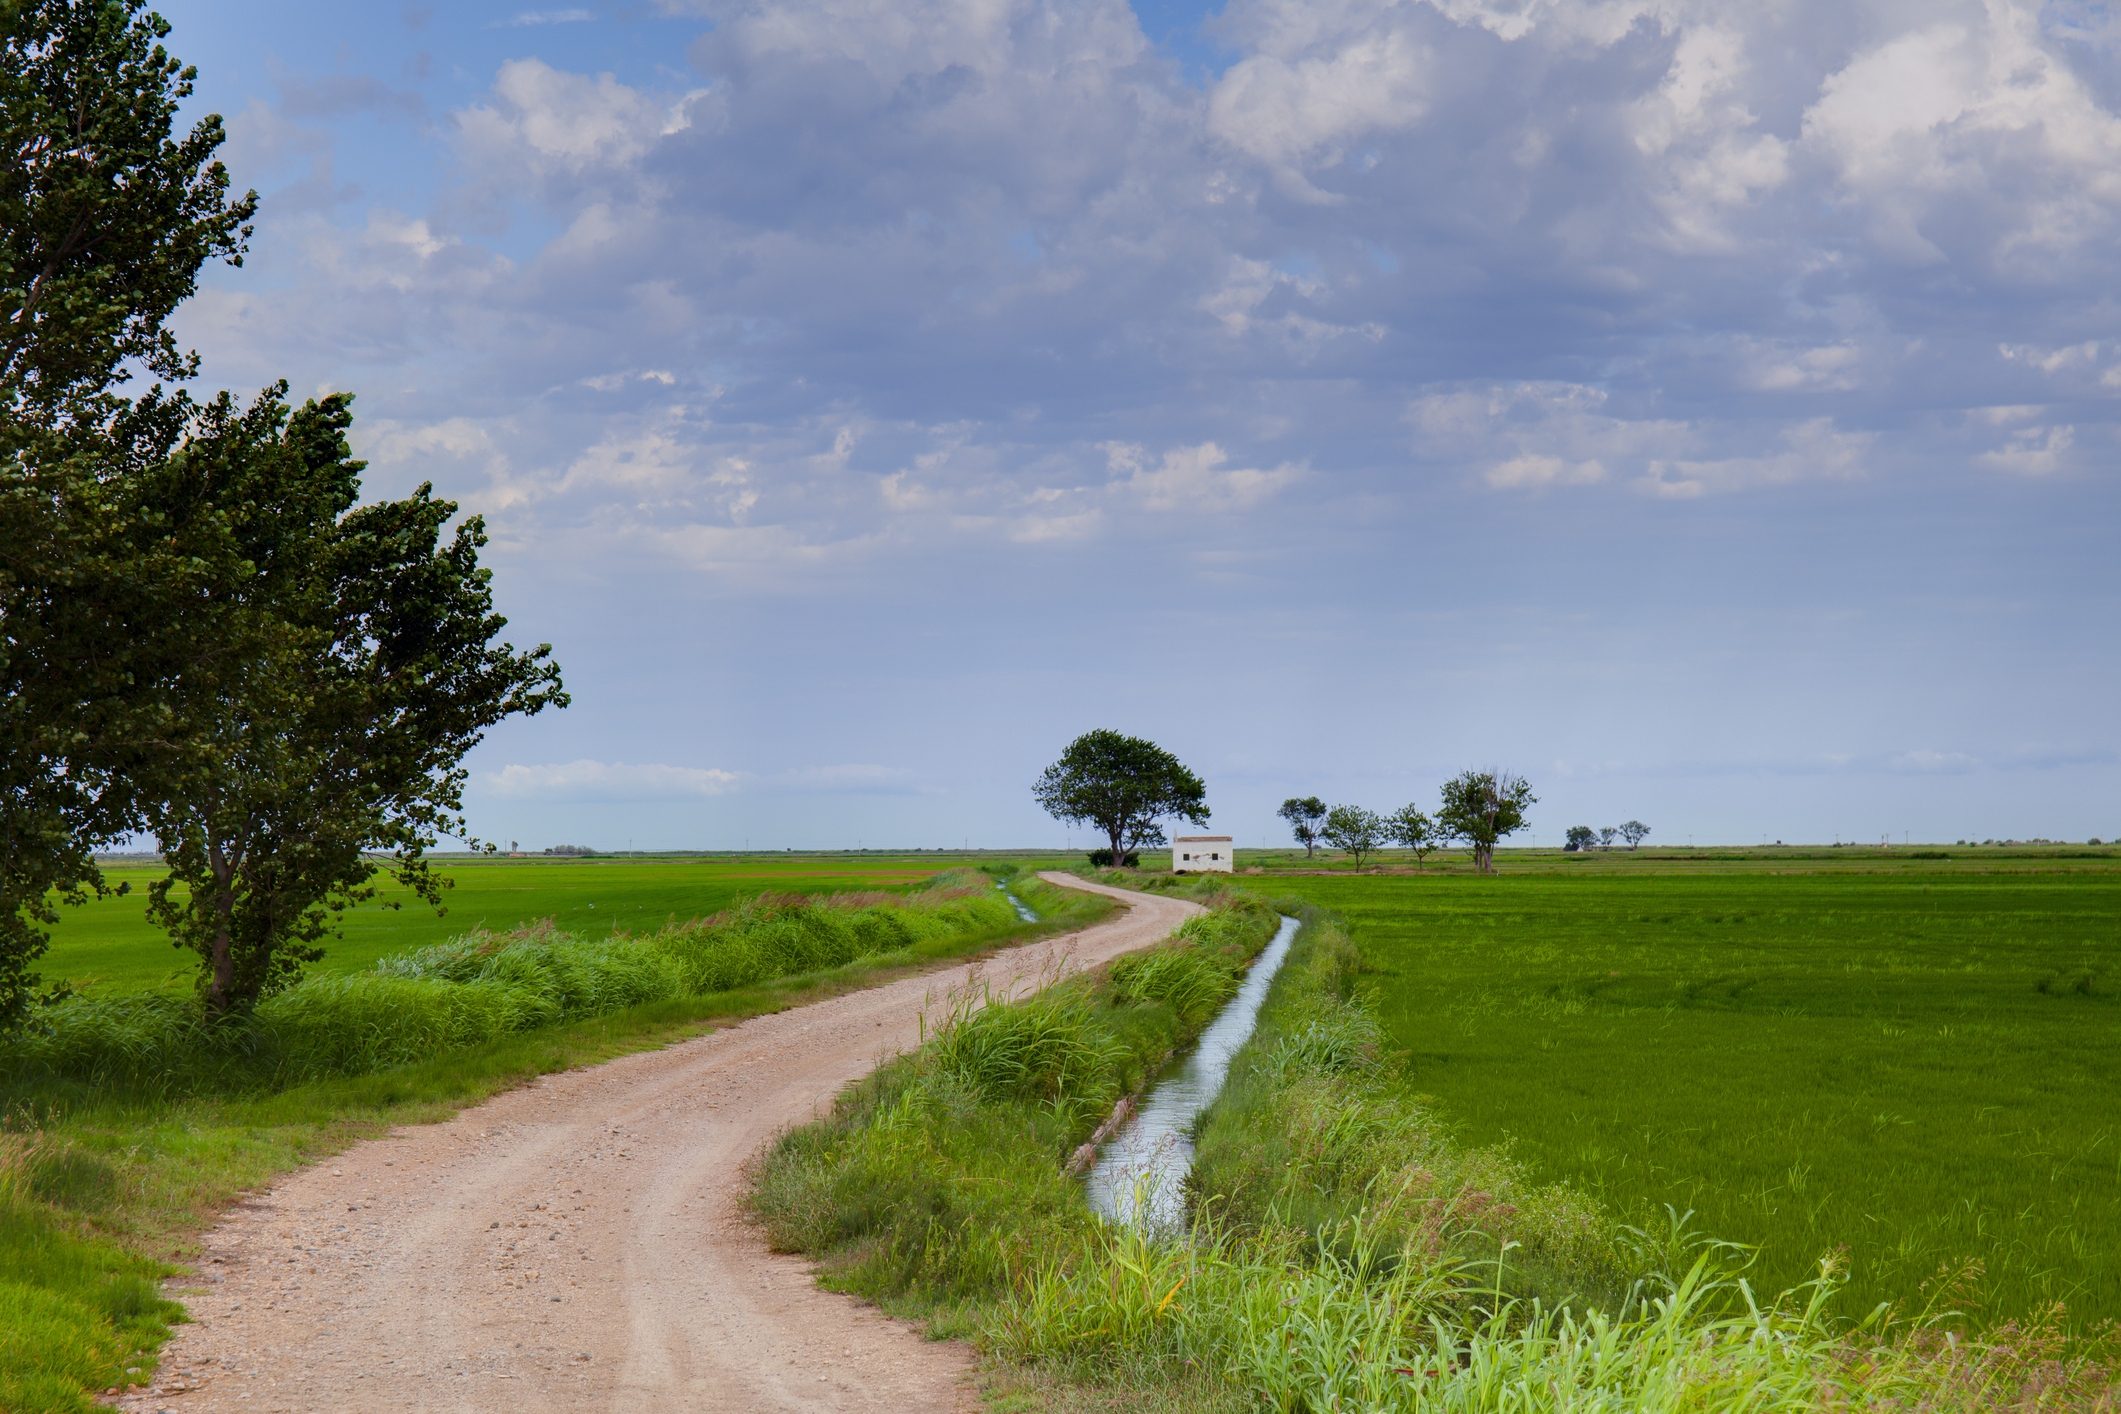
(1914, 1066)
(108, 943)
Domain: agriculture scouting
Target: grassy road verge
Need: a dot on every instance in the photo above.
(109, 1166)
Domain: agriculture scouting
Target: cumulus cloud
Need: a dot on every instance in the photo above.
(1193, 479)
(877, 277)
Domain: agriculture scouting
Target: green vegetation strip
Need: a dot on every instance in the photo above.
(1347, 1254)
(116, 1148)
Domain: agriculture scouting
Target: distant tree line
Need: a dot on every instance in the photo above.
(1583, 837)
(1477, 808)
(204, 634)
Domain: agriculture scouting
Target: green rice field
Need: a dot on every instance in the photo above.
(1913, 1066)
(108, 945)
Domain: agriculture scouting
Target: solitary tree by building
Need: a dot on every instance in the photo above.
(1121, 786)
(1483, 808)
(1354, 830)
(1581, 838)
(1305, 815)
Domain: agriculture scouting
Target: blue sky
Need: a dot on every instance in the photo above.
(1709, 411)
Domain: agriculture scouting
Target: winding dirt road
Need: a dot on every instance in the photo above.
(579, 1243)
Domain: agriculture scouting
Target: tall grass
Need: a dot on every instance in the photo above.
(473, 988)
(73, 1314)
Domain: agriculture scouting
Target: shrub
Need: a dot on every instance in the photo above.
(1102, 859)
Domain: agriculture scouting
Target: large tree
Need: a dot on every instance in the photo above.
(1354, 830)
(1122, 786)
(1483, 808)
(1305, 814)
(356, 661)
(1634, 832)
(106, 216)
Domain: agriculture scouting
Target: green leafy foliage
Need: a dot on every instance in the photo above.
(1355, 831)
(343, 676)
(106, 216)
(1483, 808)
(1305, 814)
(1122, 786)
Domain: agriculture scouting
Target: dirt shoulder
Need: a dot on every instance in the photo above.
(579, 1243)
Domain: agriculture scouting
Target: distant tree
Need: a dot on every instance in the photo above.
(1634, 832)
(344, 678)
(1581, 837)
(1305, 815)
(1411, 828)
(1354, 830)
(1121, 786)
(1606, 835)
(1483, 808)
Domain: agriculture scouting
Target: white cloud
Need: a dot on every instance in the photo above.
(2032, 451)
(1192, 479)
(1971, 115)
(1776, 369)
(548, 120)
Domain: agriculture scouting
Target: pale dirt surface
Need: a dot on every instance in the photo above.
(579, 1244)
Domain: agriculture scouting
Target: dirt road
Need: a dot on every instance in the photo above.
(578, 1244)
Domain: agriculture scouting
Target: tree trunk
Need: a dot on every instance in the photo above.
(1484, 858)
(224, 960)
(1119, 851)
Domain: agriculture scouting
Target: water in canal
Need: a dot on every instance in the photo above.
(1140, 1174)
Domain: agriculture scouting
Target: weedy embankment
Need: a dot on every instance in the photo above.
(130, 1121)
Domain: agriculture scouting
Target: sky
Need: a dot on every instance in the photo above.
(1710, 411)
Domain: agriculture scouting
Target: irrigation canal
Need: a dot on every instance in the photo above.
(1141, 1172)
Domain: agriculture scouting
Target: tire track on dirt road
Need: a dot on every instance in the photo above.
(579, 1243)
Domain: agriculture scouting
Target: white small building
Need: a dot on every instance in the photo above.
(1202, 854)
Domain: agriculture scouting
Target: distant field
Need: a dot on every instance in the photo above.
(1919, 1062)
(108, 943)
